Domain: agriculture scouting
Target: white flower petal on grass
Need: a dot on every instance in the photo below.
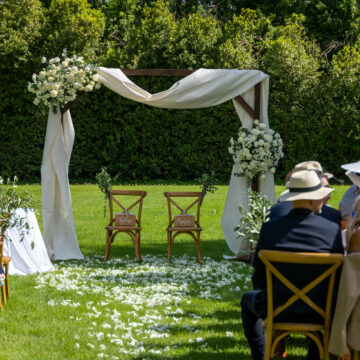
(229, 334)
(90, 346)
(152, 295)
(77, 345)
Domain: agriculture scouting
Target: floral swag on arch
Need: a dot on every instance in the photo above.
(63, 81)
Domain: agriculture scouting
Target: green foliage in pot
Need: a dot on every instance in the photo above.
(11, 199)
(251, 220)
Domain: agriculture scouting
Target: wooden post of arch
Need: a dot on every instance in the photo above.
(255, 114)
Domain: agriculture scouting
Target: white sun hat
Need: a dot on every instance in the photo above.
(353, 167)
(354, 177)
(353, 172)
(312, 165)
(305, 185)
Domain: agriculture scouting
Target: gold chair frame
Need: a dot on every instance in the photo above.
(5, 262)
(133, 231)
(173, 231)
(275, 331)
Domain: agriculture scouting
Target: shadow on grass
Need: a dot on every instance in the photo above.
(214, 248)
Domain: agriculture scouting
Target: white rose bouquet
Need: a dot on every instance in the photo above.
(62, 81)
(256, 151)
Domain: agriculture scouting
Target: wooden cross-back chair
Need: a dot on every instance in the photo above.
(5, 261)
(132, 230)
(276, 331)
(173, 229)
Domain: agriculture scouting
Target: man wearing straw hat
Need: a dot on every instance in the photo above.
(283, 208)
(299, 231)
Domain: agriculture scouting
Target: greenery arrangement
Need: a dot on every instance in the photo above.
(105, 184)
(207, 183)
(11, 199)
(61, 81)
(256, 151)
(251, 220)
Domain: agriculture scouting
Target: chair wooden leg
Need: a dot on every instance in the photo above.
(139, 245)
(169, 245)
(268, 343)
(3, 294)
(198, 247)
(108, 245)
(356, 354)
(7, 281)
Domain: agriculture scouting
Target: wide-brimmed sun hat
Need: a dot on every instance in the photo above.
(305, 185)
(354, 177)
(353, 172)
(312, 165)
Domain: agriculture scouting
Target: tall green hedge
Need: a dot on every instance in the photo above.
(314, 90)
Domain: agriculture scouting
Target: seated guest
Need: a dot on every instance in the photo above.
(348, 200)
(283, 208)
(354, 243)
(299, 231)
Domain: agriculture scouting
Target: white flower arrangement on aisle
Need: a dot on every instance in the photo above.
(256, 151)
(61, 81)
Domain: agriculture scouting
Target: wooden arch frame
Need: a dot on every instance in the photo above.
(253, 111)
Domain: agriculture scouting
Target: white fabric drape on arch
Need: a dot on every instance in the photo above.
(202, 88)
(58, 223)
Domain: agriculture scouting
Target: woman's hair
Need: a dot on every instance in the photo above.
(356, 209)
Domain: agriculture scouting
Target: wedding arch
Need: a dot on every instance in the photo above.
(248, 89)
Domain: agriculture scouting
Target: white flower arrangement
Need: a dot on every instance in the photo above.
(62, 80)
(256, 151)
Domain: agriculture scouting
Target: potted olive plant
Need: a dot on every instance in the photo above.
(11, 199)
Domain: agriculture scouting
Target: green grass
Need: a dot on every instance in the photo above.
(130, 310)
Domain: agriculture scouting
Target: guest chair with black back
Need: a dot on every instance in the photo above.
(319, 329)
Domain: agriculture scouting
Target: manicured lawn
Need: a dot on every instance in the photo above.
(128, 310)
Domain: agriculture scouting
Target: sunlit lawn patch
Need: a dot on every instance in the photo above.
(123, 309)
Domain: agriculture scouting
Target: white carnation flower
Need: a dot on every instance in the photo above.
(88, 88)
(262, 126)
(53, 93)
(43, 60)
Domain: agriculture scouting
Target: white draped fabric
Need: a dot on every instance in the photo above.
(29, 255)
(58, 223)
(203, 88)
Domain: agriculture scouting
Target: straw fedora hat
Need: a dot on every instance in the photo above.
(305, 185)
(312, 165)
